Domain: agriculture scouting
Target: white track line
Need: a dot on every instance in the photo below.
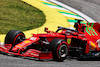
(72, 16)
(57, 8)
(74, 10)
(45, 0)
(71, 23)
(2, 43)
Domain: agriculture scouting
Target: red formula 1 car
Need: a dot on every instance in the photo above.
(84, 41)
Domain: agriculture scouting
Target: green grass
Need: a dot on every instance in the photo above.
(15, 14)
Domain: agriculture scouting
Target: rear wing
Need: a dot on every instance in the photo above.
(96, 26)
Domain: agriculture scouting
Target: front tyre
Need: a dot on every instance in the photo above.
(14, 37)
(59, 49)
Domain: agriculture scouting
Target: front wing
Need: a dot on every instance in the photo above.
(30, 53)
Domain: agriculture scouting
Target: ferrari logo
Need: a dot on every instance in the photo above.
(69, 40)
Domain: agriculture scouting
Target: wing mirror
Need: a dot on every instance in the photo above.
(46, 29)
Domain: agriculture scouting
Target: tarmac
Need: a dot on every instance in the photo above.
(88, 7)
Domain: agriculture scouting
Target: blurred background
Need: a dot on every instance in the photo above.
(88, 7)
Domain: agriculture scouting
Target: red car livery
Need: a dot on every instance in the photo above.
(84, 41)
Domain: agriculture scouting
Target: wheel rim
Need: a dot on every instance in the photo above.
(63, 50)
(18, 39)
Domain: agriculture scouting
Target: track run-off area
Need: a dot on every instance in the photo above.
(57, 14)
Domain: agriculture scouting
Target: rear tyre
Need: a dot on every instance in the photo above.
(14, 37)
(59, 49)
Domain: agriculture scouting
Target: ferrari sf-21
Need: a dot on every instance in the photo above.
(84, 41)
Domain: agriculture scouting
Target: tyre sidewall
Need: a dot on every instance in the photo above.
(58, 49)
(54, 47)
(12, 35)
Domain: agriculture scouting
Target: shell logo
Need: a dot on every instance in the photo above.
(93, 46)
(27, 41)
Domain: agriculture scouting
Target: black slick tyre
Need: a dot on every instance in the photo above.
(59, 49)
(14, 37)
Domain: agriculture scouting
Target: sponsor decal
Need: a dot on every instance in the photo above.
(98, 41)
(69, 40)
(93, 46)
(90, 30)
(33, 38)
(19, 45)
(27, 41)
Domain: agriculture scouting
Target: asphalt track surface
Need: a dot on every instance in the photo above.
(9, 61)
(89, 7)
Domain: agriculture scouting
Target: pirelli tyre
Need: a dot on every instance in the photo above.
(59, 49)
(14, 37)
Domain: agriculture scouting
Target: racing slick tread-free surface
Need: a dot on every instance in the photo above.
(54, 45)
(11, 35)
